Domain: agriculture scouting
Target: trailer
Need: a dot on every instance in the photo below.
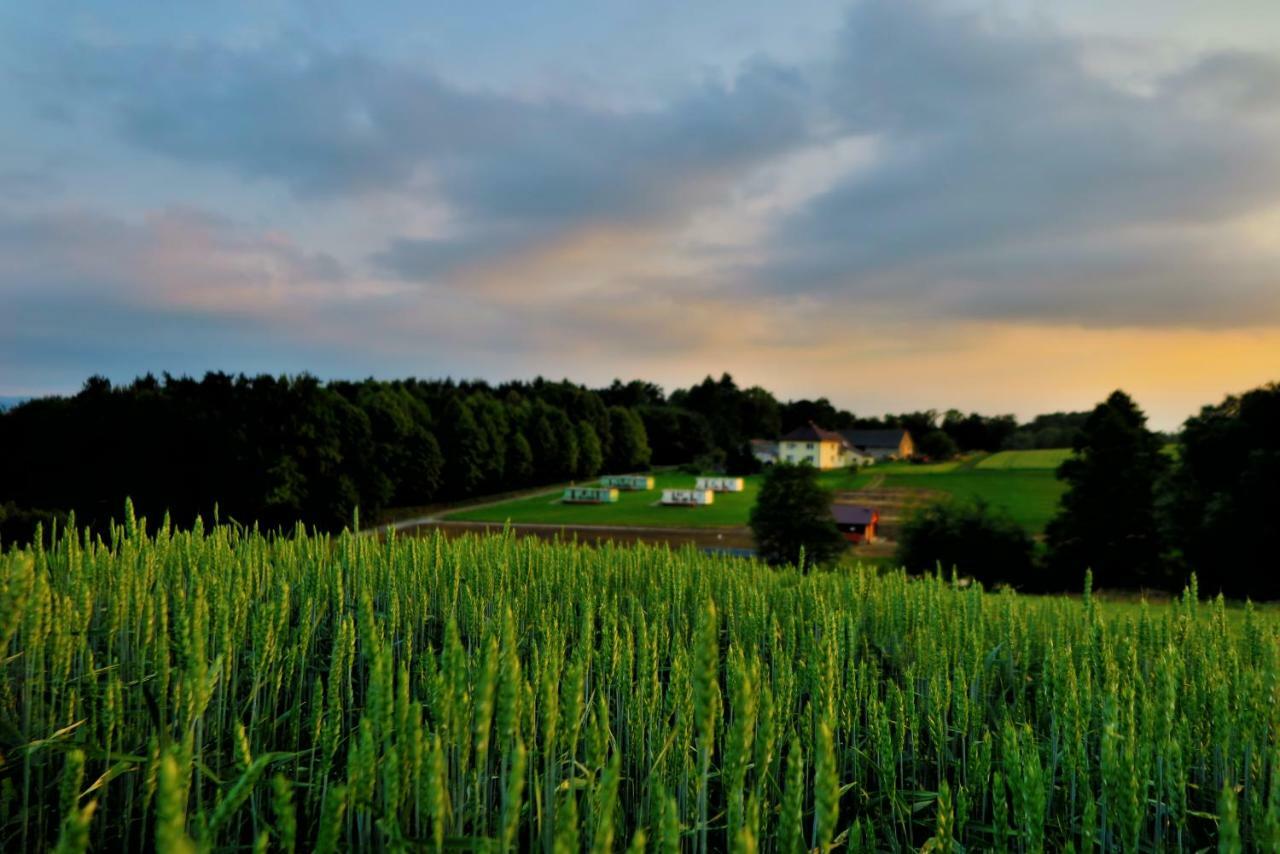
(628, 482)
(721, 484)
(688, 497)
(589, 495)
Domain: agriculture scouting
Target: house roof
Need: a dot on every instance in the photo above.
(814, 433)
(847, 514)
(873, 438)
(761, 444)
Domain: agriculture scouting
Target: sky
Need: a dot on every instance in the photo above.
(1010, 206)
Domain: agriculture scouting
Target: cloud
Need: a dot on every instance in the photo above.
(1012, 181)
(921, 174)
(513, 172)
(179, 259)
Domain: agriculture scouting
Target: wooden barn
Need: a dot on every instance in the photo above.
(856, 524)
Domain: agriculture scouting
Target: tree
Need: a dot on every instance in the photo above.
(970, 537)
(793, 513)
(554, 443)
(590, 456)
(1223, 491)
(464, 449)
(976, 432)
(799, 413)
(519, 468)
(630, 447)
(676, 435)
(1107, 519)
(936, 445)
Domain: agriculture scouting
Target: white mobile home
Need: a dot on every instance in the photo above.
(629, 482)
(589, 495)
(720, 484)
(688, 497)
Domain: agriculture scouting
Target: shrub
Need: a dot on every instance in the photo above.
(971, 537)
(793, 514)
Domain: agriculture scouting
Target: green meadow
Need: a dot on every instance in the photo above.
(642, 509)
(1021, 482)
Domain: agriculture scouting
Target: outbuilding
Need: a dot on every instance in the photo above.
(856, 524)
(895, 444)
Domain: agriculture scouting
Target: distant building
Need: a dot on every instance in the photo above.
(764, 450)
(856, 524)
(822, 449)
(895, 444)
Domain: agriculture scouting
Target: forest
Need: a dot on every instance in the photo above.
(278, 450)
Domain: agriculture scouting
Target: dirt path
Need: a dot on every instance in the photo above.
(440, 514)
(734, 539)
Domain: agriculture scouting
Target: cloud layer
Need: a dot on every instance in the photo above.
(1013, 182)
(925, 170)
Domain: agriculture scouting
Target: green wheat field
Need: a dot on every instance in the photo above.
(218, 689)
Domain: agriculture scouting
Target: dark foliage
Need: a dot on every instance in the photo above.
(275, 451)
(1107, 520)
(974, 432)
(1055, 430)
(971, 537)
(936, 445)
(792, 516)
(1223, 494)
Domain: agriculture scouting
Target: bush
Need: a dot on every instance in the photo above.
(936, 445)
(792, 515)
(971, 537)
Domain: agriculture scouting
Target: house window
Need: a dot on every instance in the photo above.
(809, 446)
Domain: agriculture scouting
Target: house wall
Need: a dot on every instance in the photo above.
(820, 455)
(766, 457)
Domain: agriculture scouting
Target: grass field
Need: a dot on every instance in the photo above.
(220, 690)
(1024, 486)
(1018, 460)
(1021, 482)
(633, 508)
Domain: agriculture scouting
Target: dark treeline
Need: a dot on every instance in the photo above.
(1135, 514)
(1142, 517)
(276, 450)
(279, 450)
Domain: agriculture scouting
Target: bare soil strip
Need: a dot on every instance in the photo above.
(712, 538)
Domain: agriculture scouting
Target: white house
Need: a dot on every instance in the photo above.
(822, 449)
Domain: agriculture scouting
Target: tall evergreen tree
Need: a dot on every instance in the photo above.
(1107, 520)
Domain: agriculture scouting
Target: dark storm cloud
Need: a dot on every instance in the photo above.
(1011, 180)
